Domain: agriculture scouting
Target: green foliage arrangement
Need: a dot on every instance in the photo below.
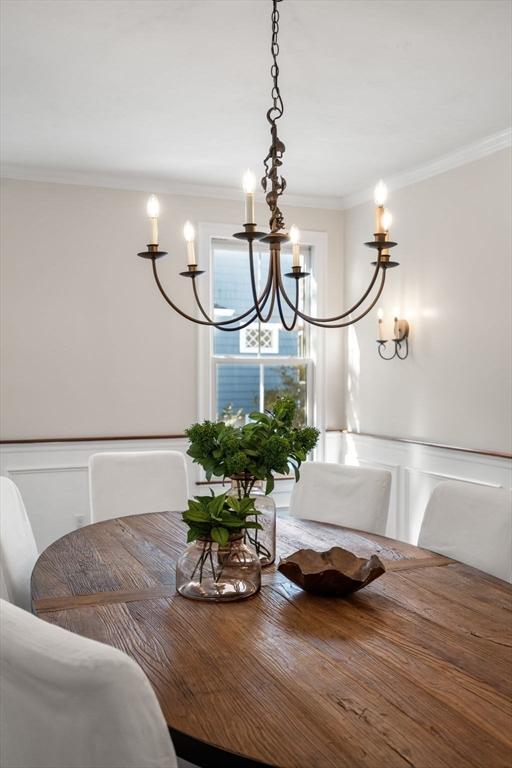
(269, 444)
(219, 518)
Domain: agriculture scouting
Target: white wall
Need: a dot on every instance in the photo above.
(89, 347)
(453, 286)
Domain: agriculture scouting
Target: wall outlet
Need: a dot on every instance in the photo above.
(79, 521)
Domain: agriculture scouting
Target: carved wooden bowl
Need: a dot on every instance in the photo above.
(335, 572)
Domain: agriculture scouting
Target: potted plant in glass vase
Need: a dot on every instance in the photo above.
(251, 455)
(217, 564)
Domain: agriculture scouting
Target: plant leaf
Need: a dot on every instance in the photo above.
(220, 535)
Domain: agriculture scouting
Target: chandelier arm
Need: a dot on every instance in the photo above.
(189, 317)
(219, 326)
(325, 323)
(272, 278)
(258, 304)
(291, 326)
(346, 313)
(286, 326)
(359, 317)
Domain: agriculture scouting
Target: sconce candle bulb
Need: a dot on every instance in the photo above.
(380, 316)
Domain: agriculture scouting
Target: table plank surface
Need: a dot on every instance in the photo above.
(414, 670)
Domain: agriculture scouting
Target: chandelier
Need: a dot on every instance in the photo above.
(274, 293)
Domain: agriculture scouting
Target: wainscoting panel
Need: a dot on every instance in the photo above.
(416, 470)
(53, 478)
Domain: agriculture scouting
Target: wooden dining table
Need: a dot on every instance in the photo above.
(413, 670)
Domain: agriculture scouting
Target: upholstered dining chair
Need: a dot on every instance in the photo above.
(471, 523)
(356, 497)
(70, 702)
(129, 483)
(18, 551)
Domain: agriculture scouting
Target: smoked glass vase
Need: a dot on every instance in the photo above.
(207, 571)
(262, 542)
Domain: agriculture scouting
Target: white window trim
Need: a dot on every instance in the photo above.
(207, 232)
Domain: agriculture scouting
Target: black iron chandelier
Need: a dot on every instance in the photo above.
(274, 293)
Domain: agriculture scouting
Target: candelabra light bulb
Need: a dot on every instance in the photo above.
(249, 182)
(380, 314)
(387, 220)
(189, 232)
(153, 207)
(294, 235)
(380, 194)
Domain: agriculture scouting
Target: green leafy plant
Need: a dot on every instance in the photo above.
(219, 518)
(269, 444)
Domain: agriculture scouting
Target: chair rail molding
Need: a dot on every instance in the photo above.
(53, 479)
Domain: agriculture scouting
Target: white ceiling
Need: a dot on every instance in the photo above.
(175, 91)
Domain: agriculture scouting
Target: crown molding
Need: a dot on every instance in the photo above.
(471, 152)
(148, 185)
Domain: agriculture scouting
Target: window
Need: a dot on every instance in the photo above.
(247, 370)
(260, 338)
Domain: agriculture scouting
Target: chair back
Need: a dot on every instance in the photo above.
(356, 497)
(70, 702)
(471, 523)
(130, 483)
(18, 551)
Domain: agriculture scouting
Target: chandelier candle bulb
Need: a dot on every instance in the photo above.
(249, 184)
(189, 234)
(153, 211)
(295, 241)
(380, 196)
(386, 221)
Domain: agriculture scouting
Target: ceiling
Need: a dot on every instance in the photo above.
(175, 91)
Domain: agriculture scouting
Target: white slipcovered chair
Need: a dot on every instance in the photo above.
(130, 483)
(470, 523)
(18, 551)
(70, 702)
(356, 497)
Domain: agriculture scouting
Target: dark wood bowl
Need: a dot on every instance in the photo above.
(335, 572)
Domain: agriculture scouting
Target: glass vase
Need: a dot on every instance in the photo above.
(262, 542)
(207, 571)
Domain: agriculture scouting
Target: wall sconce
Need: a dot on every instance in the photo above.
(400, 337)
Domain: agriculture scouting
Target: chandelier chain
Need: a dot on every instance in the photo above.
(274, 298)
(273, 160)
